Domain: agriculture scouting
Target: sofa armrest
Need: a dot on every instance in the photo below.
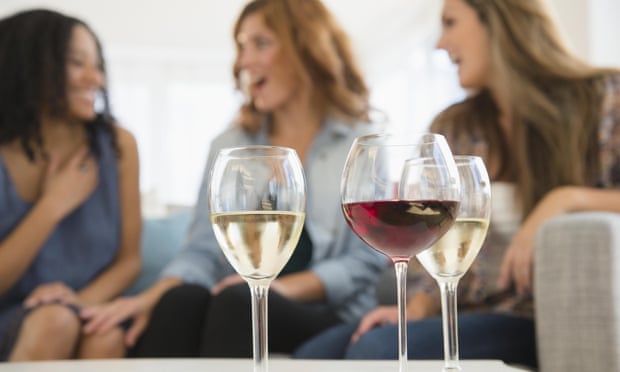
(577, 293)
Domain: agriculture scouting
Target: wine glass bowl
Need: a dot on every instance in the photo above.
(382, 209)
(257, 201)
(376, 205)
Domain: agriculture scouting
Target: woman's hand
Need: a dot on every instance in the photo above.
(518, 263)
(226, 282)
(377, 317)
(68, 185)
(419, 306)
(52, 293)
(102, 318)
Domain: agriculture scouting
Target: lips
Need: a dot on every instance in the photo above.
(250, 83)
(256, 83)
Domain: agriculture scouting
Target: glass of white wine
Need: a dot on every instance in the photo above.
(257, 201)
(451, 256)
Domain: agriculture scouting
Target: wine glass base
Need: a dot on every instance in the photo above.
(451, 369)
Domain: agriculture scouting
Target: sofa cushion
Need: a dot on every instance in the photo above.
(162, 237)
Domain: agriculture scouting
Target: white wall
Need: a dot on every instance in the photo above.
(605, 32)
(170, 78)
(592, 28)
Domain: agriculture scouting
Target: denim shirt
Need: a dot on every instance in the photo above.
(347, 267)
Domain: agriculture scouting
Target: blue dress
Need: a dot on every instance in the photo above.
(83, 244)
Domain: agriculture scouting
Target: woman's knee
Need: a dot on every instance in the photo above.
(48, 332)
(107, 345)
(176, 324)
(378, 343)
(329, 344)
(234, 301)
(184, 302)
(49, 322)
(185, 295)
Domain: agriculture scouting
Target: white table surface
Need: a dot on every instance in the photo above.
(243, 365)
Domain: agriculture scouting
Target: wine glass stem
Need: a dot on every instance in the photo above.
(401, 288)
(450, 324)
(259, 326)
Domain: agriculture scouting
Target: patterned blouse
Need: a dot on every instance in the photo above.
(477, 290)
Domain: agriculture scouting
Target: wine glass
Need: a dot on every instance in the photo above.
(378, 210)
(452, 255)
(257, 200)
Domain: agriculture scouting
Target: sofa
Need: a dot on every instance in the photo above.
(577, 285)
(162, 237)
(577, 293)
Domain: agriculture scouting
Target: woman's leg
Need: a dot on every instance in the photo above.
(481, 335)
(380, 343)
(228, 332)
(329, 344)
(497, 336)
(176, 324)
(47, 332)
(100, 346)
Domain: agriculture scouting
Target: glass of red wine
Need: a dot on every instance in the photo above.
(398, 216)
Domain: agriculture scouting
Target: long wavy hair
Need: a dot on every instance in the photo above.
(33, 74)
(319, 53)
(556, 102)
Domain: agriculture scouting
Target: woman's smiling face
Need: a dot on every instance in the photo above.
(268, 79)
(84, 74)
(466, 40)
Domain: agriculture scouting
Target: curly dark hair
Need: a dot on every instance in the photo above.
(33, 59)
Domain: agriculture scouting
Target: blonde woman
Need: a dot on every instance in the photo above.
(306, 92)
(548, 127)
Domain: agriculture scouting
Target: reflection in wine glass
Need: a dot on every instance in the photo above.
(378, 210)
(451, 256)
(257, 200)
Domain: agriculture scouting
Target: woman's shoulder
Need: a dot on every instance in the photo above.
(459, 112)
(353, 129)
(124, 137)
(232, 136)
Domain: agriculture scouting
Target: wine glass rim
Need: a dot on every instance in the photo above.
(266, 150)
(396, 140)
(459, 160)
(466, 159)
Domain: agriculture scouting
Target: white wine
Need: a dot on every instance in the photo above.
(452, 255)
(258, 244)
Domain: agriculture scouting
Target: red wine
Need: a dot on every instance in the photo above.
(400, 228)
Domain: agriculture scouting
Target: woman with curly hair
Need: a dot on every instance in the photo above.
(69, 195)
(304, 91)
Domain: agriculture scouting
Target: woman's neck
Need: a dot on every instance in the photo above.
(296, 126)
(501, 99)
(62, 135)
(299, 117)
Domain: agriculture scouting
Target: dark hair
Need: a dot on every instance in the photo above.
(33, 60)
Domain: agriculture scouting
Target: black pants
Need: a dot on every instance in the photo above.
(189, 322)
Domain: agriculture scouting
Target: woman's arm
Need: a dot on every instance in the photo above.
(517, 266)
(304, 286)
(126, 266)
